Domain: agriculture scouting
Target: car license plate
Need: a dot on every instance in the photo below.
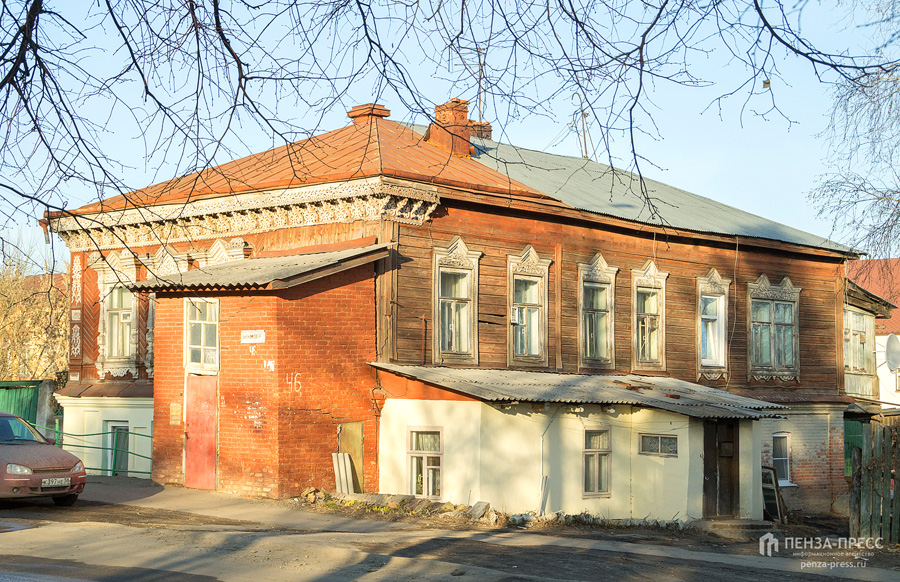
(56, 482)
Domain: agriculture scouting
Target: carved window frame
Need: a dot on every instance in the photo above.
(528, 265)
(455, 258)
(117, 269)
(784, 292)
(713, 285)
(597, 271)
(649, 277)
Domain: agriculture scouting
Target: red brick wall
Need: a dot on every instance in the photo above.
(279, 402)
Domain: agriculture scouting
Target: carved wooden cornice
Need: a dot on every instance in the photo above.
(228, 216)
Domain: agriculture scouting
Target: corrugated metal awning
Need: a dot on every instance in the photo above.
(265, 273)
(650, 391)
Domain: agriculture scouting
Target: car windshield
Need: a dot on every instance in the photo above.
(15, 430)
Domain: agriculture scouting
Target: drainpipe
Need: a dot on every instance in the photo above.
(545, 478)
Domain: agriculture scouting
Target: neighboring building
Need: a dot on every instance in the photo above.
(878, 276)
(468, 320)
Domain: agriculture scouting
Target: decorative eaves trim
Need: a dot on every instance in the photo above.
(229, 216)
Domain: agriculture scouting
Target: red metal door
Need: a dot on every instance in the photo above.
(200, 432)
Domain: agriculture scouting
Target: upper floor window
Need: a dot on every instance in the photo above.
(648, 318)
(856, 348)
(773, 343)
(455, 304)
(528, 308)
(596, 321)
(119, 322)
(712, 323)
(202, 334)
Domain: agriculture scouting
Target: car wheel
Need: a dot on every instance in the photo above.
(66, 500)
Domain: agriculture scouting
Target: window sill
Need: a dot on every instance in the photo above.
(201, 371)
(786, 484)
(595, 495)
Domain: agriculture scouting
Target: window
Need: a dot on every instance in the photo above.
(455, 304)
(596, 462)
(647, 314)
(712, 325)
(526, 316)
(664, 446)
(648, 318)
(712, 330)
(528, 308)
(425, 455)
(596, 321)
(202, 340)
(855, 354)
(773, 339)
(456, 312)
(781, 457)
(118, 331)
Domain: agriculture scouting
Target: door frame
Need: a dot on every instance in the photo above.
(715, 449)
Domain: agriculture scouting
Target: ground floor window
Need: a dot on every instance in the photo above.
(596, 462)
(654, 444)
(425, 460)
(781, 456)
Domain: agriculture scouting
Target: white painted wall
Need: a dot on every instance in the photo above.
(521, 459)
(85, 418)
(887, 380)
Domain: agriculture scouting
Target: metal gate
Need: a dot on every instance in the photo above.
(20, 398)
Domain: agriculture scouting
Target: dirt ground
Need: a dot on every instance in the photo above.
(515, 563)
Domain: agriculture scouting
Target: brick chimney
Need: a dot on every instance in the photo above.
(364, 113)
(480, 129)
(450, 130)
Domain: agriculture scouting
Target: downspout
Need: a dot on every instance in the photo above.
(544, 478)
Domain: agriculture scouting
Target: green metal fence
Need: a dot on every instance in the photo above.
(120, 453)
(20, 398)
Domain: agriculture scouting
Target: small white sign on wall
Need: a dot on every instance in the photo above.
(253, 336)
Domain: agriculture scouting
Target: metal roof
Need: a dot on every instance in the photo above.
(265, 273)
(658, 392)
(598, 188)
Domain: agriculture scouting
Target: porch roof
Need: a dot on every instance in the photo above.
(658, 392)
(265, 273)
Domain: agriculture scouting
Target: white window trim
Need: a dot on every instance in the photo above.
(648, 277)
(641, 450)
(456, 257)
(411, 453)
(117, 269)
(712, 284)
(192, 367)
(785, 292)
(606, 452)
(786, 435)
(530, 265)
(597, 271)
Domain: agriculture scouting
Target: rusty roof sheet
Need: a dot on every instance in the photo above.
(108, 389)
(658, 392)
(265, 273)
(376, 147)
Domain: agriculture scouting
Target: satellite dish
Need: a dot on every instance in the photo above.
(892, 353)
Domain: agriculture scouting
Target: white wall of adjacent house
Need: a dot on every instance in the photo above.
(888, 382)
(527, 458)
(90, 426)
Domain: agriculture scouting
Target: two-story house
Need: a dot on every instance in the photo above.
(468, 320)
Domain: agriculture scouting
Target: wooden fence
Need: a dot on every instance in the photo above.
(874, 506)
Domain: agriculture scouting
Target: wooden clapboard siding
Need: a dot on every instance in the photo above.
(498, 235)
